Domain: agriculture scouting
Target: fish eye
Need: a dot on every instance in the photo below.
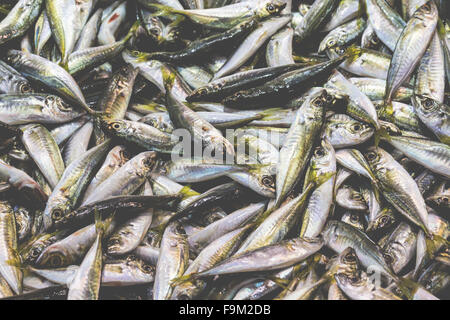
(50, 99)
(201, 91)
(116, 126)
(123, 154)
(147, 268)
(113, 242)
(428, 103)
(350, 257)
(384, 220)
(131, 258)
(354, 218)
(63, 106)
(356, 196)
(427, 7)
(331, 42)
(25, 88)
(371, 155)
(388, 258)
(56, 260)
(179, 229)
(136, 53)
(443, 200)
(329, 98)
(57, 214)
(319, 152)
(357, 127)
(270, 7)
(148, 161)
(35, 252)
(154, 31)
(340, 50)
(318, 102)
(267, 181)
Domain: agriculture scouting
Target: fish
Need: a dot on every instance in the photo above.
(224, 150)
(19, 19)
(411, 45)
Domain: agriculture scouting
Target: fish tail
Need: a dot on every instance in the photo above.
(433, 242)
(16, 261)
(407, 287)
(379, 134)
(169, 79)
(159, 230)
(101, 226)
(132, 31)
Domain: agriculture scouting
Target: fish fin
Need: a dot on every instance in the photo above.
(168, 79)
(159, 230)
(101, 226)
(162, 10)
(432, 244)
(269, 113)
(283, 283)
(253, 167)
(441, 29)
(3, 10)
(187, 192)
(16, 260)
(353, 52)
(323, 178)
(407, 287)
(379, 134)
(16, 263)
(132, 30)
(65, 64)
(184, 278)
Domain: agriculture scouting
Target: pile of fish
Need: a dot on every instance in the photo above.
(217, 149)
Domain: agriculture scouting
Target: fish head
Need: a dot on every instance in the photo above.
(354, 219)
(374, 157)
(57, 209)
(114, 126)
(350, 198)
(24, 87)
(54, 256)
(353, 285)
(331, 42)
(115, 244)
(322, 164)
(427, 11)
(270, 8)
(56, 105)
(384, 219)
(31, 252)
(188, 290)
(427, 107)
(331, 231)
(359, 130)
(348, 261)
(13, 57)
